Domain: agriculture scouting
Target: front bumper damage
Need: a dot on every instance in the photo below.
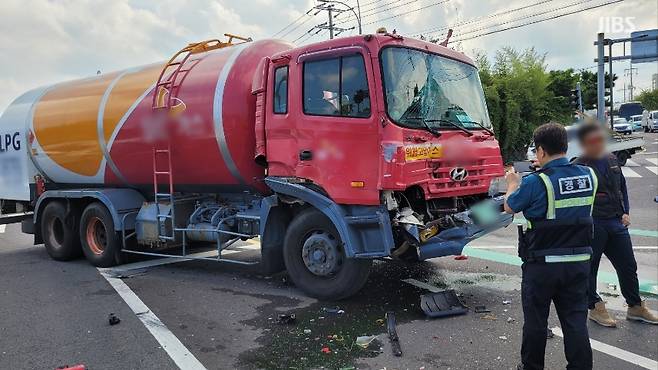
(474, 223)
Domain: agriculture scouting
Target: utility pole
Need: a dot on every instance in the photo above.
(631, 87)
(332, 11)
(600, 79)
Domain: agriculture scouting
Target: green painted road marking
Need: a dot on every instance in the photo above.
(647, 287)
(636, 232)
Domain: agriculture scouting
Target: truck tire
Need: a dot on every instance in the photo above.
(100, 242)
(315, 258)
(60, 235)
(622, 157)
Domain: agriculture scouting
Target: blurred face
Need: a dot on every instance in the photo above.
(542, 157)
(593, 144)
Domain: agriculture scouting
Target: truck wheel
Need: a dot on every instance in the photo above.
(59, 236)
(622, 157)
(100, 242)
(315, 258)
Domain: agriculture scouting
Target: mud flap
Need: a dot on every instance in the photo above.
(442, 304)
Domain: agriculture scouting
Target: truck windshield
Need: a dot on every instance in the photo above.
(424, 89)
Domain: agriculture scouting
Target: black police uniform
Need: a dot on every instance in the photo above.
(556, 249)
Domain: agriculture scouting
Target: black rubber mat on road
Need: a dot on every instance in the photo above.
(442, 304)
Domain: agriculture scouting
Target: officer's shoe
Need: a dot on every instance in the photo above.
(641, 313)
(601, 316)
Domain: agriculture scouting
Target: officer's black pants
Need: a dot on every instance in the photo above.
(566, 285)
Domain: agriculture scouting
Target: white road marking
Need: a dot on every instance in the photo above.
(422, 285)
(629, 173)
(647, 153)
(619, 353)
(652, 169)
(181, 356)
(652, 160)
(632, 163)
(3, 228)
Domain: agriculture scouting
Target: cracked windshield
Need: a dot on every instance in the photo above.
(426, 91)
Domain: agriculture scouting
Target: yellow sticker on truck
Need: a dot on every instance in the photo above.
(422, 151)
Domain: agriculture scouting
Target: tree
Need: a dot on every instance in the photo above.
(517, 94)
(588, 87)
(562, 82)
(649, 99)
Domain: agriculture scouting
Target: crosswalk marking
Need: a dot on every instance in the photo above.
(652, 160)
(652, 169)
(629, 173)
(632, 163)
(2, 228)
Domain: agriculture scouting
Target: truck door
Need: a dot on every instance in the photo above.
(338, 134)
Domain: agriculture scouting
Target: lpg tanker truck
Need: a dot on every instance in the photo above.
(332, 154)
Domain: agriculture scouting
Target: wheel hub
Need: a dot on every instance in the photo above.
(321, 254)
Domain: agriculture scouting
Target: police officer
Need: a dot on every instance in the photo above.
(555, 247)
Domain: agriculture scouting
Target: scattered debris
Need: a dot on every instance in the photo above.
(549, 333)
(506, 302)
(334, 310)
(481, 309)
(510, 320)
(489, 317)
(393, 334)
(612, 286)
(307, 331)
(442, 304)
(74, 367)
(502, 337)
(462, 257)
(379, 322)
(287, 319)
(364, 341)
(325, 349)
(113, 320)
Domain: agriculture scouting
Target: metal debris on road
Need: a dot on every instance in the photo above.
(442, 304)
(365, 341)
(549, 333)
(393, 334)
(113, 320)
(287, 319)
(481, 309)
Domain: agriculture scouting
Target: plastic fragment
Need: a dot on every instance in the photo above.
(549, 333)
(113, 320)
(462, 257)
(506, 302)
(502, 337)
(509, 319)
(307, 331)
(481, 309)
(325, 349)
(287, 318)
(364, 341)
(379, 321)
(334, 310)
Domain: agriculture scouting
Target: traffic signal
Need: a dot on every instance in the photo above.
(573, 99)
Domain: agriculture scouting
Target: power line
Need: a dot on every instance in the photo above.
(408, 12)
(527, 17)
(382, 10)
(480, 19)
(538, 21)
(291, 23)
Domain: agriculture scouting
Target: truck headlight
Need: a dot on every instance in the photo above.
(497, 186)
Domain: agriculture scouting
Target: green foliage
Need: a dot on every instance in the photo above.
(649, 99)
(516, 88)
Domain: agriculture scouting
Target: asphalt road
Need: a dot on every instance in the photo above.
(220, 316)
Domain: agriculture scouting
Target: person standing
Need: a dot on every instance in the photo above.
(555, 248)
(611, 221)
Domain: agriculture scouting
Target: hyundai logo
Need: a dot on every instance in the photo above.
(458, 174)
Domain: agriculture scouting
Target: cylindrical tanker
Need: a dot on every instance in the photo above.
(102, 130)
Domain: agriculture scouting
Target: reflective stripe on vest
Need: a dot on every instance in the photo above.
(567, 203)
(567, 258)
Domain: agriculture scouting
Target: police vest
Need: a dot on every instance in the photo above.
(609, 198)
(565, 233)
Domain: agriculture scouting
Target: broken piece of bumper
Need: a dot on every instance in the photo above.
(480, 220)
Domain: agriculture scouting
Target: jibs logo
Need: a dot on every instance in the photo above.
(10, 142)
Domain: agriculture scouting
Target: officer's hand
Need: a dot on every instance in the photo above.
(626, 220)
(513, 178)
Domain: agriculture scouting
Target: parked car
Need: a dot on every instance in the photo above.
(622, 126)
(622, 147)
(650, 121)
(636, 122)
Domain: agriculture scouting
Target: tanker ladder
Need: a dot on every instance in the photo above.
(162, 218)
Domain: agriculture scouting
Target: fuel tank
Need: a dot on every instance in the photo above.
(103, 130)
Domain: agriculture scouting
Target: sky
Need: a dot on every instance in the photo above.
(48, 41)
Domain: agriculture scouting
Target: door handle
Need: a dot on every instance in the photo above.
(305, 155)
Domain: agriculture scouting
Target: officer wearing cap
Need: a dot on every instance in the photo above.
(555, 247)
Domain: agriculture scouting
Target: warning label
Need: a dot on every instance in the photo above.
(422, 151)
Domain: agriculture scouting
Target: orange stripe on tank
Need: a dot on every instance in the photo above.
(124, 94)
(65, 124)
